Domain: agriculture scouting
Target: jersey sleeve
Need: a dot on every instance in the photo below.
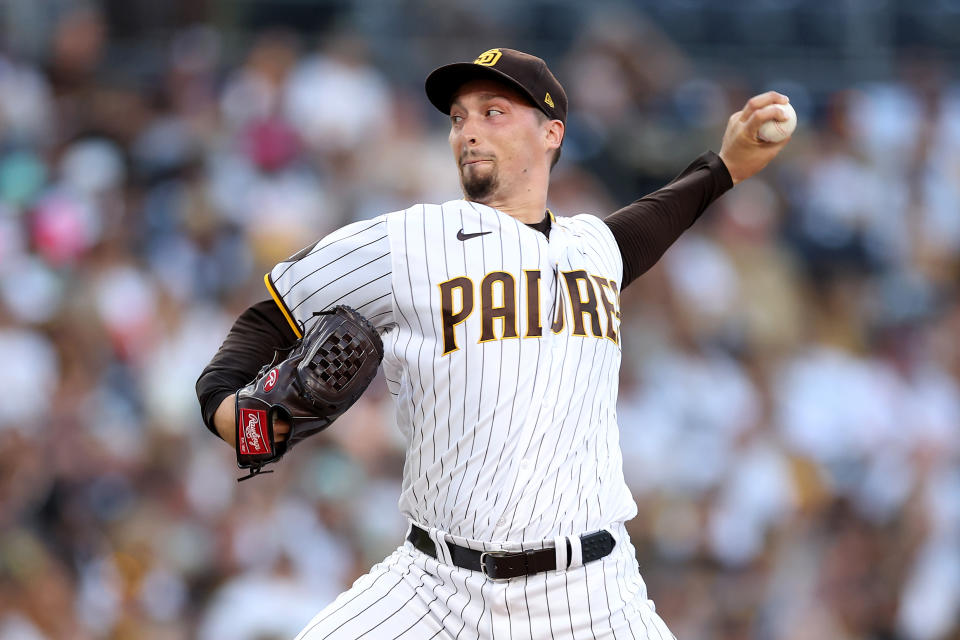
(351, 266)
(605, 244)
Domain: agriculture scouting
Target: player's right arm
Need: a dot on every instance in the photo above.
(351, 266)
(255, 336)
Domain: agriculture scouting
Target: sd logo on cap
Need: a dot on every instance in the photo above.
(488, 58)
(526, 73)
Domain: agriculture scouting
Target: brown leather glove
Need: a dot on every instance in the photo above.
(324, 375)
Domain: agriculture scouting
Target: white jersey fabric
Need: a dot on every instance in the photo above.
(502, 350)
(510, 414)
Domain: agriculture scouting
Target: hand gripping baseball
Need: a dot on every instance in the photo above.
(743, 151)
(325, 374)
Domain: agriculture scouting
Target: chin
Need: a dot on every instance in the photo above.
(478, 190)
(478, 186)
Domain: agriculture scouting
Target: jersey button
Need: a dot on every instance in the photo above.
(501, 522)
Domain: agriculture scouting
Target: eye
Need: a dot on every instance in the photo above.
(456, 119)
(494, 112)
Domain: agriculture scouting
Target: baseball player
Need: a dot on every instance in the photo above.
(501, 336)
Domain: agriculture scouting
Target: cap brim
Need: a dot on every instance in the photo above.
(444, 82)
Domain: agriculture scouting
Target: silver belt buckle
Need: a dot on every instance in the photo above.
(483, 564)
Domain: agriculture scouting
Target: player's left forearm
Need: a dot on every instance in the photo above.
(647, 227)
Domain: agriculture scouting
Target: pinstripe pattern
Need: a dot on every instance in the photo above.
(350, 266)
(511, 440)
(413, 597)
(480, 467)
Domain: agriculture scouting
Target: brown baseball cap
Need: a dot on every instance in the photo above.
(522, 71)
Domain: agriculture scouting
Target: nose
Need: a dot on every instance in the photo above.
(468, 133)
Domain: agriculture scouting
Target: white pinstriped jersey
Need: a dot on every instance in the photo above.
(502, 352)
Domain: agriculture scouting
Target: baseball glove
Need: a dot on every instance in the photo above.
(324, 374)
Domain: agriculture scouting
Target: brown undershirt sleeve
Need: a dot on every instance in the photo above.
(646, 228)
(258, 333)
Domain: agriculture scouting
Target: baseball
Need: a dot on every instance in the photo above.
(779, 128)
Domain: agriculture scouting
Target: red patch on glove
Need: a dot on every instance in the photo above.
(253, 439)
(271, 380)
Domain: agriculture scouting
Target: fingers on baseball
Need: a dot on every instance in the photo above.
(764, 114)
(760, 102)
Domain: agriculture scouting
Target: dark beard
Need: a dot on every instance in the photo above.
(478, 188)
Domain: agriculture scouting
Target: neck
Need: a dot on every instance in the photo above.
(527, 213)
(529, 206)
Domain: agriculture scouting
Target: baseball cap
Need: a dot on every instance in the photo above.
(522, 71)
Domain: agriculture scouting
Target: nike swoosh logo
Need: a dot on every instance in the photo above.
(461, 236)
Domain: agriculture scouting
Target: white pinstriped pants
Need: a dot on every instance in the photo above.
(411, 596)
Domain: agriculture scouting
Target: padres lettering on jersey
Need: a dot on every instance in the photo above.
(502, 350)
(506, 305)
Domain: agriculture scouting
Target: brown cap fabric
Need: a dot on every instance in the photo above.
(528, 74)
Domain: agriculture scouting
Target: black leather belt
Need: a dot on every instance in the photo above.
(503, 565)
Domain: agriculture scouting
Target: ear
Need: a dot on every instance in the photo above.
(552, 134)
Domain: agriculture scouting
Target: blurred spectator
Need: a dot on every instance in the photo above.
(790, 396)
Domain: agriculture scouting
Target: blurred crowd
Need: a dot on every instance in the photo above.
(790, 390)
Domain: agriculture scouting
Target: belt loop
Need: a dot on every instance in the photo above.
(439, 541)
(576, 552)
(560, 548)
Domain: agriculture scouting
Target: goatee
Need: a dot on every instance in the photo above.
(478, 187)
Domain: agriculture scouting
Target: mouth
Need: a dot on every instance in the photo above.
(467, 163)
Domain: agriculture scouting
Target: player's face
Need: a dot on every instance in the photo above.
(496, 137)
